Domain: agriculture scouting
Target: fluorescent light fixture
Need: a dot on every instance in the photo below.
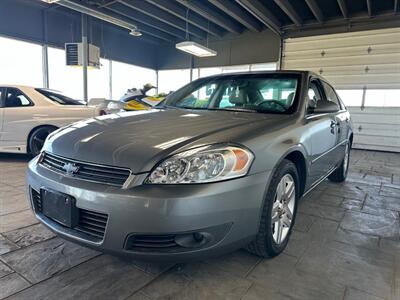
(195, 49)
(135, 32)
(50, 1)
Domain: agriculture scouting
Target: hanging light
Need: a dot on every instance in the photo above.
(50, 1)
(135, 32)
(192, 47)
(195, 49)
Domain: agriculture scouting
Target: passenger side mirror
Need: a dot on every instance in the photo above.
(324, 107)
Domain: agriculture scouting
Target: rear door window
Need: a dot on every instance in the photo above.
(331, 94)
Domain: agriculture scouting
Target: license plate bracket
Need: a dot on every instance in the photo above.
(60, 207)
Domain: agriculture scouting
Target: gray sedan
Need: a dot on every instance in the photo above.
(220, 164)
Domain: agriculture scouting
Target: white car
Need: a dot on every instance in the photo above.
(28, 115)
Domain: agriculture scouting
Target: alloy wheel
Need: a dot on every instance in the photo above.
(283, 208)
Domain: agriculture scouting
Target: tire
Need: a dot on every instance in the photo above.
(340, 174)
(37, 139)
(267, 242)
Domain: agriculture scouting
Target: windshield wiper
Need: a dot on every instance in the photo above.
(234, 109)
(191, 107)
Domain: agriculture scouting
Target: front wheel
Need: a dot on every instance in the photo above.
(340, 174)
(279, 212)
(37, 138)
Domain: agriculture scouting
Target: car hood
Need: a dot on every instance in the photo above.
(140, 139)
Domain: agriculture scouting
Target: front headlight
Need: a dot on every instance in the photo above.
(204, 164)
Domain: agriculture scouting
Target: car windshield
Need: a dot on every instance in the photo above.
(58, 97)
(270, 93)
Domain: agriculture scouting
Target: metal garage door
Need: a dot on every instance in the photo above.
(365, 69)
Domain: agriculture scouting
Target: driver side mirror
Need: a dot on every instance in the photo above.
(324, 107)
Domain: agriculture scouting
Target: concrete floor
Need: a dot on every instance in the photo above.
(345, 245)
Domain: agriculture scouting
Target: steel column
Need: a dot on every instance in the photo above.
(45, 66)
(85, 56)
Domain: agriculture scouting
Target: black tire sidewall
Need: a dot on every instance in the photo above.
(32, 136)
(285, 167)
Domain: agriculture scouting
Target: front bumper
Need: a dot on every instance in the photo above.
(228, 211)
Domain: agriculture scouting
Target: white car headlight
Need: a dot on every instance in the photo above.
(201, 165)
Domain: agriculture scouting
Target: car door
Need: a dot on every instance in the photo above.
(17, 119)
(342, 118)
(323, 133)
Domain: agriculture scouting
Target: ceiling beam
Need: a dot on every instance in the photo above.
(108, 3)
(212, 15)
(312, 4)
(258, 10)
(238, 13)
(142, 27)
(163, 16)
(290, 11)
(192, 18)
(343, 8)
(121, 9)
(369, 7)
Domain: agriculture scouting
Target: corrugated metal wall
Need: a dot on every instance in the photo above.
(376, 128)
(354, 60)
(358, 60)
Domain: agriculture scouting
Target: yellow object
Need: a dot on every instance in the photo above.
(135, 105)
(152, 100)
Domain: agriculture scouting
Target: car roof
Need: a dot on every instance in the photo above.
(17, 86)
(297, 72)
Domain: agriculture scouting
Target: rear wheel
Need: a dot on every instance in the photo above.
(278, 213)
(340, 174)
(37, 138)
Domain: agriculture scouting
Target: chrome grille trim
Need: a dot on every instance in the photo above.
(115, 176)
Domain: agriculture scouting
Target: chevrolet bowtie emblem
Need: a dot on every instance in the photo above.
(70, 169)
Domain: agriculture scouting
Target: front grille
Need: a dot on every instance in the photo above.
(37, 200)
(86, 171)
(149, 242)
(152, 241)
(91, 225)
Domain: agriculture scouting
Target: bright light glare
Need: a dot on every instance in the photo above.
(195, 49)
(20, 63)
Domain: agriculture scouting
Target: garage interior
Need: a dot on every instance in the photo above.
(346, 240)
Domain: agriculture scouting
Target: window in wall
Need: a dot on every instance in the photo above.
(204, 72)
(20, 63)
(66, 79)
(126, 76)
(351, 97)
(196, 74)
(233, 69)
(241, 68)
(98, 81)
(382, 98)
(172, 80)
(263, 67)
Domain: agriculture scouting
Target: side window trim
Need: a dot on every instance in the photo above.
(5, 98)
